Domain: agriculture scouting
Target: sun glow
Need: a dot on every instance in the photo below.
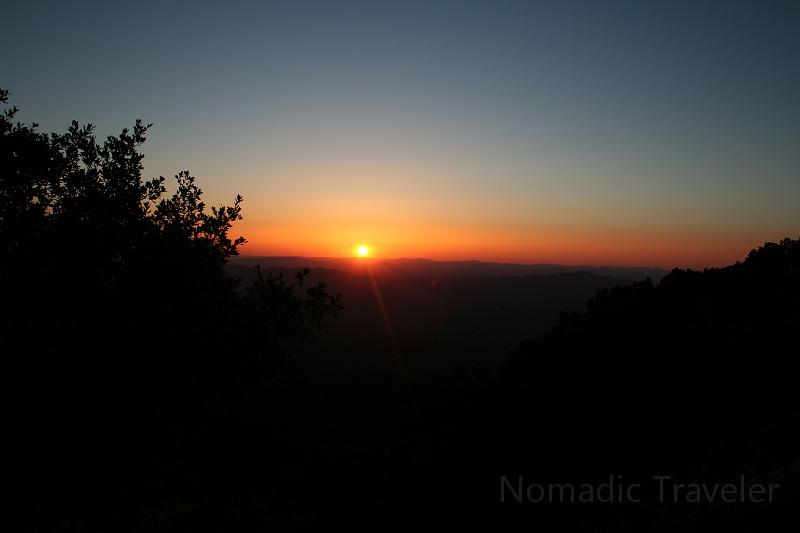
(362, 251)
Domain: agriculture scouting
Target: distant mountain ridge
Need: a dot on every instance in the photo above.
(428, 299)
(430, 268)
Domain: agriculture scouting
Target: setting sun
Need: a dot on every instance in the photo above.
(362, 251)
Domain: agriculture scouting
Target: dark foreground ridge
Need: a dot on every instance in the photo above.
(695, 379)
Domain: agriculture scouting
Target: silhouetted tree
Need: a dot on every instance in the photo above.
(124, 341)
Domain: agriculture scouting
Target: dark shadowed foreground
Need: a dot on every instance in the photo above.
(146, 389)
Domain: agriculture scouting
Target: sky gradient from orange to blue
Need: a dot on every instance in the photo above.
(628, 133)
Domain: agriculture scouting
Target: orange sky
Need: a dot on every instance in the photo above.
(555, 209)
(629, 248)
(563, 208)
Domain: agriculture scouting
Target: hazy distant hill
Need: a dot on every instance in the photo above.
(427, 267)
(429, 299)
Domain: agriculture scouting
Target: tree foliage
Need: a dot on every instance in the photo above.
(122, 334)
(78, 219)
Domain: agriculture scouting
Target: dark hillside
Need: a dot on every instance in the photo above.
(695, 378)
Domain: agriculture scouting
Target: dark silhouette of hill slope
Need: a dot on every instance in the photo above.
(695, 378)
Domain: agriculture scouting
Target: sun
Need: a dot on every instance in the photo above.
(362, 251)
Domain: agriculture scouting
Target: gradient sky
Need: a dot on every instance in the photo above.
(624, 133)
